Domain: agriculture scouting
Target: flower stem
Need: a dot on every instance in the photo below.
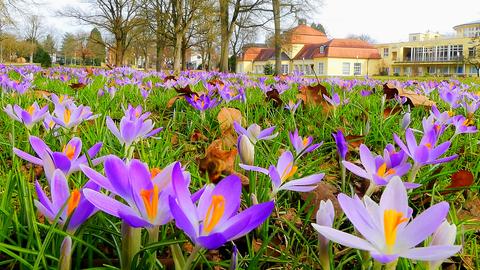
(131, 239)
(153, 238)
(413, 173)
(371, 189)
(192, 257)
(324, 258)
(391, 265)
(343, 174)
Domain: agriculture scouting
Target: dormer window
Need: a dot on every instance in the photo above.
(322, 49)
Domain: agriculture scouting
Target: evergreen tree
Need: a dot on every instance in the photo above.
(96, 47)
(69, 45)
(318, 26)
(42, 57)
(49, 45)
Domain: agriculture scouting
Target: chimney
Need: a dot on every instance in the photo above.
(302, 21)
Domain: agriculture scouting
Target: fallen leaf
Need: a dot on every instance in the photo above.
(77, 86)
(226, 117)
(313, 95)
(185, 91)
(413, 99)
(274, 96)
(461, 179)
(217, 162)
(172, 101)
(324, 191)
(198, 136)
(391, 111)
(354, 141)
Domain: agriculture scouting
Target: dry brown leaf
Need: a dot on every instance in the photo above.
(324, 191)
(198, 136)
(414, 98)
(226, 117)
(172, 101)
(217, 162)
(313, 95)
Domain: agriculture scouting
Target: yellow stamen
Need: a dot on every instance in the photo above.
(391, 219)
(451, 113)
(429, 146)
(154, 172)
(214, 213)
(467, 122)
(51, 123)
(69, 151)
(137, 114)
(203, 103)
(31, 110)
(150, 201)
(66, 116)
(382, 170)
(73, 201)
(289, 171)
(60, 99)
(305, 141)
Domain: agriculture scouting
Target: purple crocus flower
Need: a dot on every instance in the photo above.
(28, 117)
(335, 100)
(342, 147)
(68, 160)
(74, 204)
(463, 125)
(133, 127)
(71, 115)
(202, 102)
(365, 93)
(145, 192)
(387, 229)
(254, 132)
(215, 219)
(376, 169)
(292, 106)
(246, 150)
(406, 121)
(301, 145)
(426, 152)
(61, 99)
(285, 170)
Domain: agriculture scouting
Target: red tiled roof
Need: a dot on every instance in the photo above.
(304, 34)
(339, 48)
(269, 53)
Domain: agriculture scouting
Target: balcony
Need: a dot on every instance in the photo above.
(431, 59)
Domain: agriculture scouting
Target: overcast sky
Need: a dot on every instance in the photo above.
(383, 20)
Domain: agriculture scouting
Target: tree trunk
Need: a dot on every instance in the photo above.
(225, 37)
(118, 52)
(184, 54)
(159, 53)
(277, 38)
(177, 60)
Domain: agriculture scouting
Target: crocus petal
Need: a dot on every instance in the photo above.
(431, 253)
(97, 178)
(117, 173)
(421, 154)
(39, 146)
(356, 169)
(106, 203)
(253, 168)
(27, 157)
(61, 161)
(59, 189)
(395, 196)
(383, 258)
(423, 225)
(133, 219)
(304, 184)
(182, 221)
(113, 128)
(343, 238)
(212, 241)
(247, 220)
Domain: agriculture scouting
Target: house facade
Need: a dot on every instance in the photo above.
(305, 47)
(432, 53)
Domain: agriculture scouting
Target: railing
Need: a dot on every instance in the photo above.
(433, 59)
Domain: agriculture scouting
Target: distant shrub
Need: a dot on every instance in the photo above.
(42, 57)
(268, 69)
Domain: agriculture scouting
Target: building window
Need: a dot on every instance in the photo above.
(346, 68)
(431, 70)
(460, 70)
(301, 68)
(407, 70)
(320, 68)
(284, 69)
(385, 52)
(322, 49)
(396, 71)
(308, 69)
(445, 70)
(357, 68)
(456, 52)
(472, 52)
(473, 70)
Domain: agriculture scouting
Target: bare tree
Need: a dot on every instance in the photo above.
(119, 17)
(473, 56)
(364, 37)
(32, 32)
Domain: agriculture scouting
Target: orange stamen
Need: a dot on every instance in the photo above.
(69, 151)
(150, 201)
(66, 116)
(391, 219)
(305, 141)
(289, 171)
(214, 213)
(73, 201)
(429, 146)
(31, 110)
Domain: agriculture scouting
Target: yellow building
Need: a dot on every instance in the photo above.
(432, 53)
(305, 47)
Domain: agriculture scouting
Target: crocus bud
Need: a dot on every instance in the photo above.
(444, 236)
(325, 216)
(406, 121)
(246, 150)
(234, 260)
(65, 254)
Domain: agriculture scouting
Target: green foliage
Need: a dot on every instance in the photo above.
(268, 69)
(96, 47)
(42, 57)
